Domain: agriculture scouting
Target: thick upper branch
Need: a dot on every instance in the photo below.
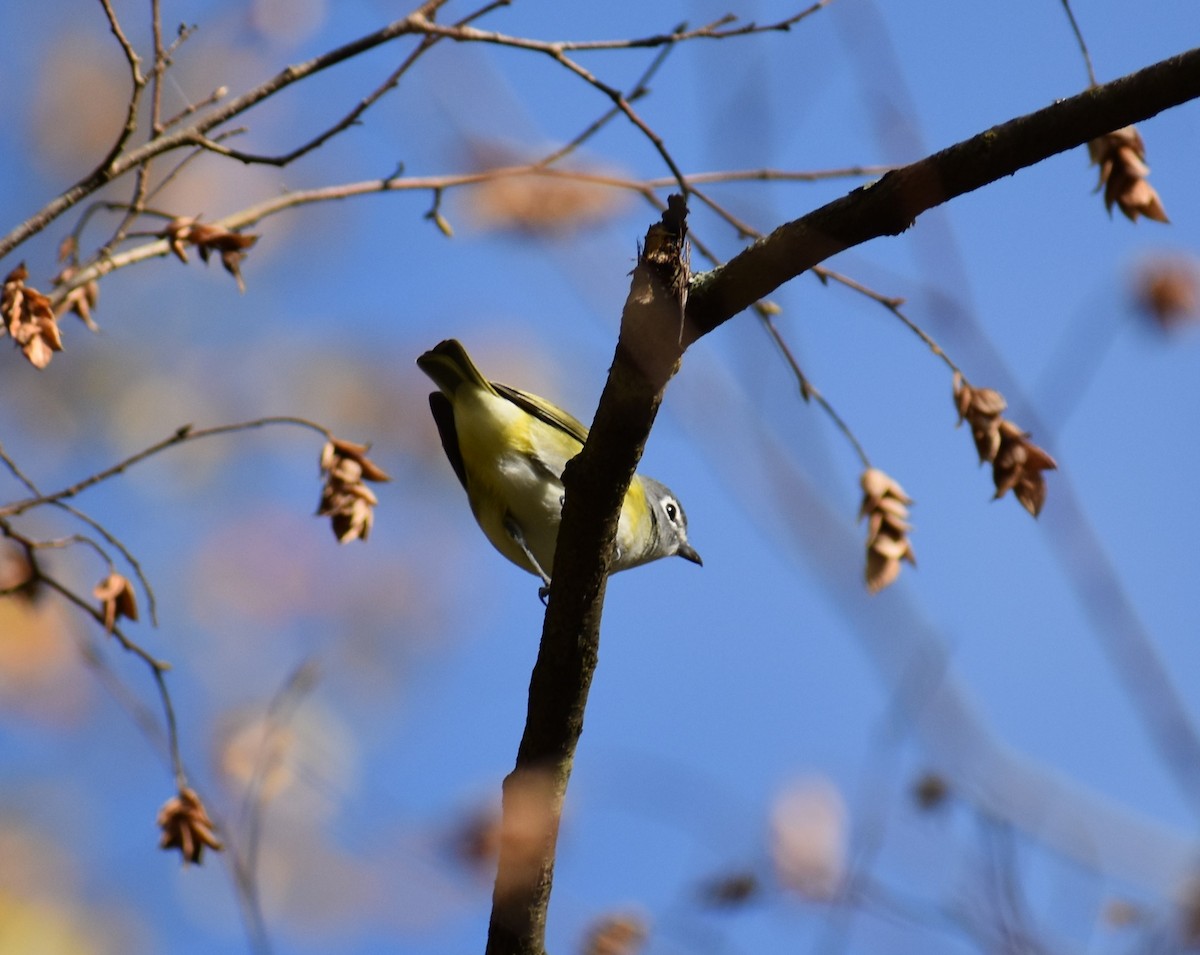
(890, 206)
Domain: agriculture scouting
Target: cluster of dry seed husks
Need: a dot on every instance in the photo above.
(885, 506)
(1121, 156)
(183, 231)
(345, 499)
(1017, 463)
(26, 315)
(186, 826)
(31, 318)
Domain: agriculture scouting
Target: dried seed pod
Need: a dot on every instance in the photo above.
(1121, 156)
(885, 506)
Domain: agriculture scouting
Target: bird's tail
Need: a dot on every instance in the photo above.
(449, 365)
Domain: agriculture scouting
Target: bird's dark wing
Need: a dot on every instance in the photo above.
(543, 410)
(443, 417)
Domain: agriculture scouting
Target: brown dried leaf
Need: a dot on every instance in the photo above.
(1031, 492)
(207, 239)
(68, 248)
(176, 233)
(117, 599)
(232, 260)
(41, 345)
(985, 432)
(81, 299)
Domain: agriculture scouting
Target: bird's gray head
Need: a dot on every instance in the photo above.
(669, 524)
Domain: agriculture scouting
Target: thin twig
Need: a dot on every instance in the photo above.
(301, 197)
(809, 391)
(61, 543)
(352, 117)
(776, 175)
(138, 82)
(142, 715)
(280, 712)
(1087, 57)
(156, 665)
(711, 31)
(118, 162)
(181, 436)
(210, 100)
(125, 552)
(158, 670)
(640, 89)
(141, 181)
(15, 469)
(893, 306)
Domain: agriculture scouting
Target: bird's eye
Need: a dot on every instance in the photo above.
(672, 511)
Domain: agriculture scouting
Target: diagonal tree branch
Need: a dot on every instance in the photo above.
(891, 205)
(648, 354)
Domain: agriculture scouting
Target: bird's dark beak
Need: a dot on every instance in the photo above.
(687, 552)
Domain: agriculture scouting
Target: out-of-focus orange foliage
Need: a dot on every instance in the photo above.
(809, 838)
(540, 204)
(1167, 290)
(40, 672)
(525, 828)
(619, 933)
(41, 909)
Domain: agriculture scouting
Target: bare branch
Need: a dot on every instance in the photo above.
(351, 118)
(138, 81)
(1083, 49)
(890, 206)
(640, 88)
(595, 481)
(118, 162)
(808, 391)
(181, 436)
(713, 31)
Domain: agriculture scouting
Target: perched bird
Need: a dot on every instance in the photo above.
(509, 448)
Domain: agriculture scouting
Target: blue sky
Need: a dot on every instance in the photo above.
(718, 687)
